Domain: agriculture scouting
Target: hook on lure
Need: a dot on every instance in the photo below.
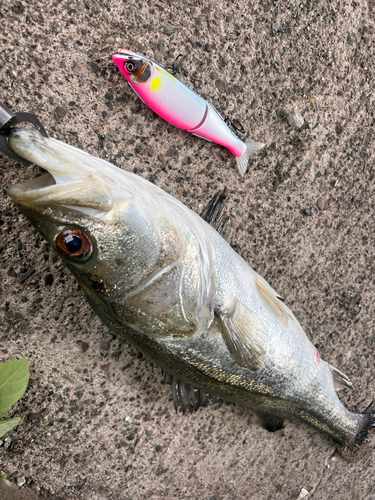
(9, 120)
(236, 124)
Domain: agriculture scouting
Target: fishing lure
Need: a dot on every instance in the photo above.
(180, 106)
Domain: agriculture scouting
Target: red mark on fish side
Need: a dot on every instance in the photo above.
(317, 357)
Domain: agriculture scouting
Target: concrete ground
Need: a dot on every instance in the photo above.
(97, 423)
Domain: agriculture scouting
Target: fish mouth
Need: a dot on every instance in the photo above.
(70, 181)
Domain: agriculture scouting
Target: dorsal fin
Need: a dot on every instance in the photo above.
(186, 396)
(243, 333)
(215, 215)
(273, 300)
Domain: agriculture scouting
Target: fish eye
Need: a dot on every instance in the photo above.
(74, 243)
(130, 66)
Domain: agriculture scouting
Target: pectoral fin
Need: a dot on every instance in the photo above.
(243, 333)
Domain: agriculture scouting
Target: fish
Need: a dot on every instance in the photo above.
(167, 281)
(181, 106)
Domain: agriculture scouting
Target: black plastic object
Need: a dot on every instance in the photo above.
(8, 120)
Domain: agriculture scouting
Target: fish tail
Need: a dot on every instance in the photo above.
(354, 451)
(366, 423)
(251, 149)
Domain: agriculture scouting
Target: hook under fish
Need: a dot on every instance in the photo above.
(180, 106)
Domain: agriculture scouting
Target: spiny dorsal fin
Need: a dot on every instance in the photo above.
(215, 215)
(340, 380)
(273, 300)
(186, 396)
(243, 333)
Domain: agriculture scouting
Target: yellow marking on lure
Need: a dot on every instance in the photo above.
(166, 73)
(156, 84)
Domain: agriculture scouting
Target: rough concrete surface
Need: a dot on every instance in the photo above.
(97, 423)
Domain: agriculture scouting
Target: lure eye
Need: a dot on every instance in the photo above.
(74, 243)
(130, 66)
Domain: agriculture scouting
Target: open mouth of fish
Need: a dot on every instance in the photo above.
(72, 179)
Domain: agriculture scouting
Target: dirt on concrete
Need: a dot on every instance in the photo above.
(97, 423)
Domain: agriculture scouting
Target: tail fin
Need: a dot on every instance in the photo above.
(366, 423)
(355, 451)
(251, 149)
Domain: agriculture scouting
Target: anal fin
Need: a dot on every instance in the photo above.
(270, 422)
(243, 333)
(186, 396)
(340, 380)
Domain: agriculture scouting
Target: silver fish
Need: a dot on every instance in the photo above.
(162, 277)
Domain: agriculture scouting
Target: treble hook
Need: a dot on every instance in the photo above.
(233, 123)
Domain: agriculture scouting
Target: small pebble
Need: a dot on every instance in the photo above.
(94, 67)
(105, 345)
(202, 67)
(48, 279)
(158, 447)
(60, 112)
(25, 276)
(321, 203)
(275, 27)
(350, 40)
(128, 419)
(110, 39)
(168, 30)
(303, 494)
(7, 442)
(307, 212)
(34, 416)
(12, 273)
(295, 120)
(84, 346)
(21, 481)
(221, 84)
